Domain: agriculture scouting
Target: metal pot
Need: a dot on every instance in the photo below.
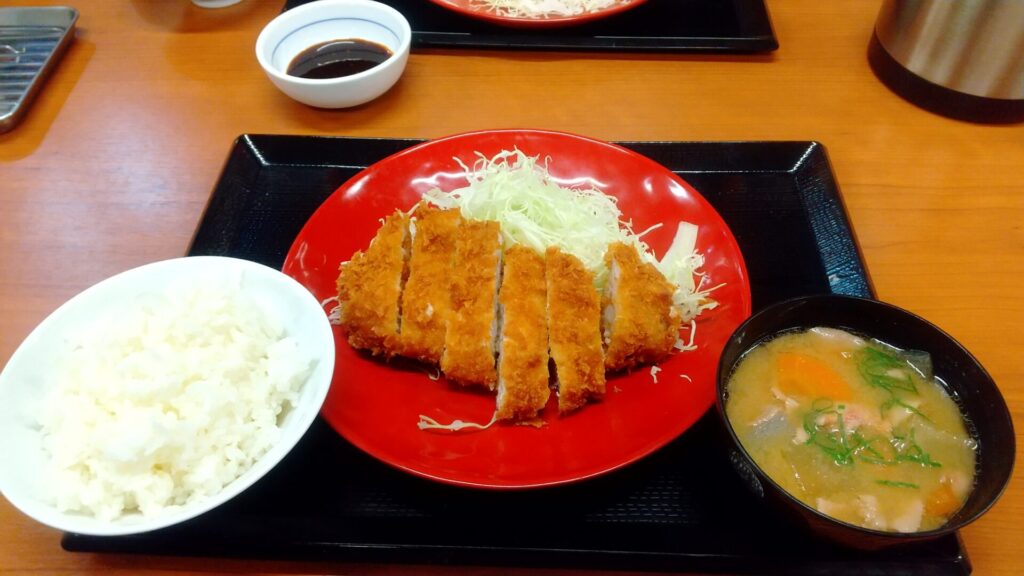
(973, 48)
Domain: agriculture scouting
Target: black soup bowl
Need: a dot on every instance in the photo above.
(970, 386)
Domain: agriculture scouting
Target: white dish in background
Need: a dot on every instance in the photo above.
(32, 369)
(215, 3)
(310, 24)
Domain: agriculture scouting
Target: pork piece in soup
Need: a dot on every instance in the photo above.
(857, 429)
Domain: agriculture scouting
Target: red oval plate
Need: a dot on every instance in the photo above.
(476, 9)
(376, 406)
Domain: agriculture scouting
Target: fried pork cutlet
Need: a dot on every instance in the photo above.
(523, 342)
(370, 287)
(640, 324)
(426, 300)
(574, 326)
(468, 357)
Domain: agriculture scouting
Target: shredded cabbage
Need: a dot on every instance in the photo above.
(533, 8)
(428, 423)
(680, 265)
(535, 211)
(683, 347)
(334, 312)
(513, 189)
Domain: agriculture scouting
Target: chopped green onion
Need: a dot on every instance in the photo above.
(894, 401)
(886, 371)
(845, 447)
(896, 484)
(908, 450)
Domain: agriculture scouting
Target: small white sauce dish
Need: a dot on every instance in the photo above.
(323, 21)
(26, 465)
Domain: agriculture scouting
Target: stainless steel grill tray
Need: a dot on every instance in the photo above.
(31, 42)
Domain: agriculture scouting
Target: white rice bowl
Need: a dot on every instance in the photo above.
(191, 432)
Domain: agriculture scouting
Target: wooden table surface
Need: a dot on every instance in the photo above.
(114, 163)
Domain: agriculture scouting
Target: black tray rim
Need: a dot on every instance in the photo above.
(757, 38)
(834, 222)
(468, 556)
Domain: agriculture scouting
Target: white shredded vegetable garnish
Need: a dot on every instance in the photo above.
(428, 423)
(680, 265)
(549, 8)
(334, 312)
(534, 210)
(693, 336)
(654, 373)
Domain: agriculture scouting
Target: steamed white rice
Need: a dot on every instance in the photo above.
(168, 402)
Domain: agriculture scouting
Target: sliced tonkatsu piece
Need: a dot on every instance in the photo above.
(425, 300)
(523, 339)
(574, 326)
(640, 325)
(469, 349)
(370, 289)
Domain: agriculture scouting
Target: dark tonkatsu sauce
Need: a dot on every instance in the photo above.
(338, 58)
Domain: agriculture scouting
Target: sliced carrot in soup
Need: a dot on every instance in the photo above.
(941, 502)
(800, 374)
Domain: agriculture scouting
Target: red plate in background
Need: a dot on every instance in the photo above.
(477, 9)
(376, 406)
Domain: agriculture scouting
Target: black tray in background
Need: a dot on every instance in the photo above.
(681, 509)
(656, 26)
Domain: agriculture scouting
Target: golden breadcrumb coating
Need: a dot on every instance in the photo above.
(574, 326)
(468, 357)
(370, 286)
(426, 300)
(523, 355)
(640, 324)
(438, 289)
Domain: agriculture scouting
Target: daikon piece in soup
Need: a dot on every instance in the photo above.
(857, 429)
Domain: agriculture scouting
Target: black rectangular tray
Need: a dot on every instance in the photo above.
(681, 509)
(656, 26)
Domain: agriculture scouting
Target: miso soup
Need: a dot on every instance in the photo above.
(855, 428)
